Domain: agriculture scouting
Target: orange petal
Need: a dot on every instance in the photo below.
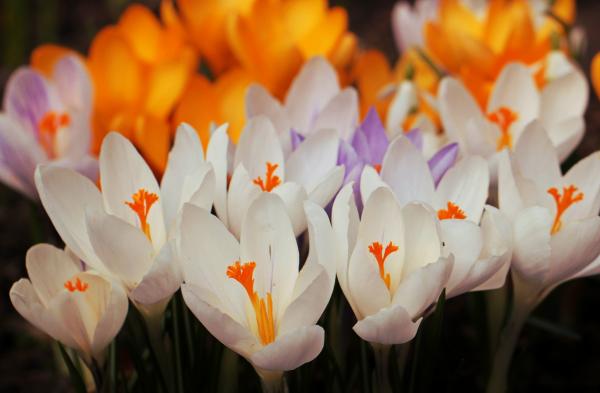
(152, 137)
(372, 73)
(302, 16)
(322, 39)
(231, 92)
(198, 107)
(45, 56)
(118, 75)
(595, 73)
(166, 83)
(143, 32)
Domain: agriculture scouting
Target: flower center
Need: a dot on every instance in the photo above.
(452, 211)
(142, 202)
(563, 202)
(48, 127)
(504, 118)
(271, 180)
(381, 255)
(78, 286)
(377, 168)
(263, 310)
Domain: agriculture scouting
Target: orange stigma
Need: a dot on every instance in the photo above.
(271, 180)
(504, 117)
(78, 286)
(48, 126)
(381, 255)
(142, 202)
(377, 167)
(563, 202)
(451, 212)
(263, 310)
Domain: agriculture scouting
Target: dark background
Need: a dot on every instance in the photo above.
(562, 356)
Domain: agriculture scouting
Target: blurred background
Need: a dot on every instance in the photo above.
(560, 346)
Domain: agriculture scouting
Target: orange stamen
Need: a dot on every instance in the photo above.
(377, 167)
(504, 117)
(78, 286)
(451, 212)
(563, 202)
(48, 126)
(271, 182)
(263, 310)
(381, 255)
(142, 202)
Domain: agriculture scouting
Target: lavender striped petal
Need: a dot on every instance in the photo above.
(442, 161)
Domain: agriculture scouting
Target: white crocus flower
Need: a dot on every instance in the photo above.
(310, 172)
(476, 239)
(390, 264)
(81, 309)
(556, 228)
(251, 295)
(314, 101)
(129, 229)
(514, 102)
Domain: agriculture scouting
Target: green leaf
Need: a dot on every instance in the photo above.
(76, 378)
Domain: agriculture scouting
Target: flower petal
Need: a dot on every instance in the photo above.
(258, 145)
(392, 325)
(340, 114)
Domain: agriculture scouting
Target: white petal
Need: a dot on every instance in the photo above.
(497, 241)
(464, 240)
(268, 239)
(405, 100)
(422, 237)
(345, 221)
(66, 195)
(111, 321)
(240, 195)
(340, 114)
(564, 97)
(49, 268)
(219, 324)
(313, 159)
(515, 89)
(216, 154)
(466, 185)
(574, 247)
(184, 159)
(406, 171)
(291, 350)
(123, 173)
(123, 248)
(73, 83)
(258, 145)
(531, 253)
(293, 196)
(260, 102)
(566, 135)
(536, 157)
(392, 325)
(324, 192)
(584, 175)
(314, 86)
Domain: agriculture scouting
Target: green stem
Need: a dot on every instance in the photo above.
(272, 381)
(496, 302)
(177, 345)
(506, 347)
(363, 367)
(382, 366)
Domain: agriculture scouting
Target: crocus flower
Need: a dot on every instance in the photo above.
(369, 145)
(408, 22)
(82, 309)
(46, 120)
(514, 102)
(252, 295)
(390, 264)
(595, 73)
(476, 48)
(313, 102)
(481, 251)
(555, 229)
(140, 68)
(259, 166)
(128, 229)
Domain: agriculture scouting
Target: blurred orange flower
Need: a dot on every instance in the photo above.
(262, 41)
(595, 73)
(140, 69)
(476, 48)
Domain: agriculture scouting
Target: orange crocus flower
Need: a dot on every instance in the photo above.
(595, 73)
(140, 68)
(260, 41)
(476, 49)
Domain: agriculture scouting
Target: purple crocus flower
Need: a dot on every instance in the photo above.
(369, 145)
(46, 121)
